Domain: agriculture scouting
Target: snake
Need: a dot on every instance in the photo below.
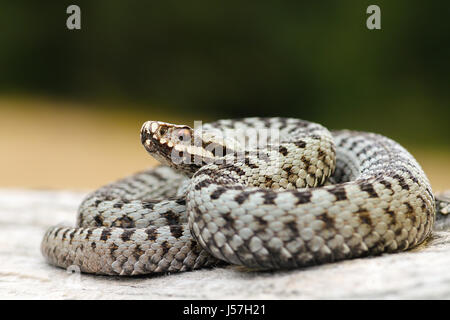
(263, 193)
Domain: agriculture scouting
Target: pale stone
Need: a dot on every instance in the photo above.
(24, 216)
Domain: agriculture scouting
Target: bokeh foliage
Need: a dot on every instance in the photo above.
(313, 60)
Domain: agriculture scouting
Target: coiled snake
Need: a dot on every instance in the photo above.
(306, 197)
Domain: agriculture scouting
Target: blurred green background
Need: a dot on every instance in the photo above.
(73, 101)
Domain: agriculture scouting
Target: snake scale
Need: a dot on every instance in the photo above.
(308, 197)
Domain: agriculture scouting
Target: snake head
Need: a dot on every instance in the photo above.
(160, 138)
(157, 134)
(173, 145)
(184, 148)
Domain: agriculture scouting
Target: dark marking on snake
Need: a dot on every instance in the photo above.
(387, 184)
(302, 196)
(217, 193)
(99, 219)
(181, 202)
(241, 197)
(401, 181)
(368, 187)
(112, 248)
(339, 192)
(71, 235)
(126, 234)
(176, 231)
(123, 222)
(118, 205)
(364, 216)
(283, 150)
(328, 220)
(88, 233)
(106, 233)
(269, 197)
(300, 143)
(171, 217)
(151, 234)
(64, 234)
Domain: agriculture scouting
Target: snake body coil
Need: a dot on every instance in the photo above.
(307, 197)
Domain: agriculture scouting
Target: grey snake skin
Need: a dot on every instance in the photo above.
(309, 198)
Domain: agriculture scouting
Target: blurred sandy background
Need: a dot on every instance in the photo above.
(72, 102)
(82, 148)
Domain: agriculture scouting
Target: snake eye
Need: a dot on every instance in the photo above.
(162, 131)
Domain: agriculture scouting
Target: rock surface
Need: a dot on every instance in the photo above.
(24, 274)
